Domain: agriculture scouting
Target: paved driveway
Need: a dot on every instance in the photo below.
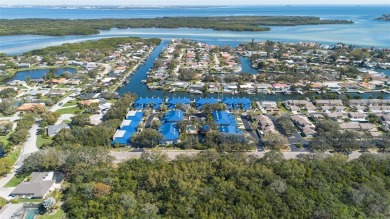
(4, 192)
(64, 117)
(249, 129)
(297, 138)
(9, 210)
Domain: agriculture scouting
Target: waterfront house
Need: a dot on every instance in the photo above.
(173, 102)
(181, 84)
(280, 86)
(153, 103)
(263, 87)
(24, 65)
(328, 102)
(199, 103)
(237, 103)
(58, 81)
(268, 105)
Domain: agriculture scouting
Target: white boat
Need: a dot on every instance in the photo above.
(251, 92)
(361, 92)
(300, 92)
(143, 81)
(195, 91)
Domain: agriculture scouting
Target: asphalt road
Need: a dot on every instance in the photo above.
(56, 106)
(30, 146)
(123, 156)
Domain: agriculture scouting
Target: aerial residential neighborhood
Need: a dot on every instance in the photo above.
(101, 120)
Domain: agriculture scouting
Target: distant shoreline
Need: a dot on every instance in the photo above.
(65, 27)
(180, 6)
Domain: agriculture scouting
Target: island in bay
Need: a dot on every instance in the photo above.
(61, 27)
(385, 17)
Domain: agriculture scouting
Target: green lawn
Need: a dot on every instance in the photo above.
(14, 181)
(70, 103)
(27, 200)
(41, 141)
(14, 154)
(70, 110)
(63, 86)
(112, 101)
(59, 214)
(4, 139)
(2, 202)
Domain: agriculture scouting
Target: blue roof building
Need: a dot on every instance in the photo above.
(134, 115)
(129, 123)
(237, 103)
(227, 122)
(174, 116)
(128, 128)
(122, 137)
(199, 103)
(173, 102)
(170, 133)
(205, 128)
(223, 118)
(231, 129)
(153, 103)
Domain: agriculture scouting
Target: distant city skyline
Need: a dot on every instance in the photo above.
(186, 2)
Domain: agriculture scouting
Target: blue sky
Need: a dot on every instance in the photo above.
(187, 2)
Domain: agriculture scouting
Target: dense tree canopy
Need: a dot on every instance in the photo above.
(212, 185)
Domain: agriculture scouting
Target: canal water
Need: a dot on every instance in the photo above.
(39, 73)
(136, 86)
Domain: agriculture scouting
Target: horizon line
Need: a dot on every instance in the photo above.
(187, 5)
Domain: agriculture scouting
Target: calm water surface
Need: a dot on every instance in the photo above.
(364, 32)
(39, 73)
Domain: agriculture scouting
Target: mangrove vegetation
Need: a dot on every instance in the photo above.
(62, 27)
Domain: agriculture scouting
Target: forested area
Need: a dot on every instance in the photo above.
(62, 27)
(100, 46)
(214, 185)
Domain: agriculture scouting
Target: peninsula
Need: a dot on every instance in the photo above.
(62, 27)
